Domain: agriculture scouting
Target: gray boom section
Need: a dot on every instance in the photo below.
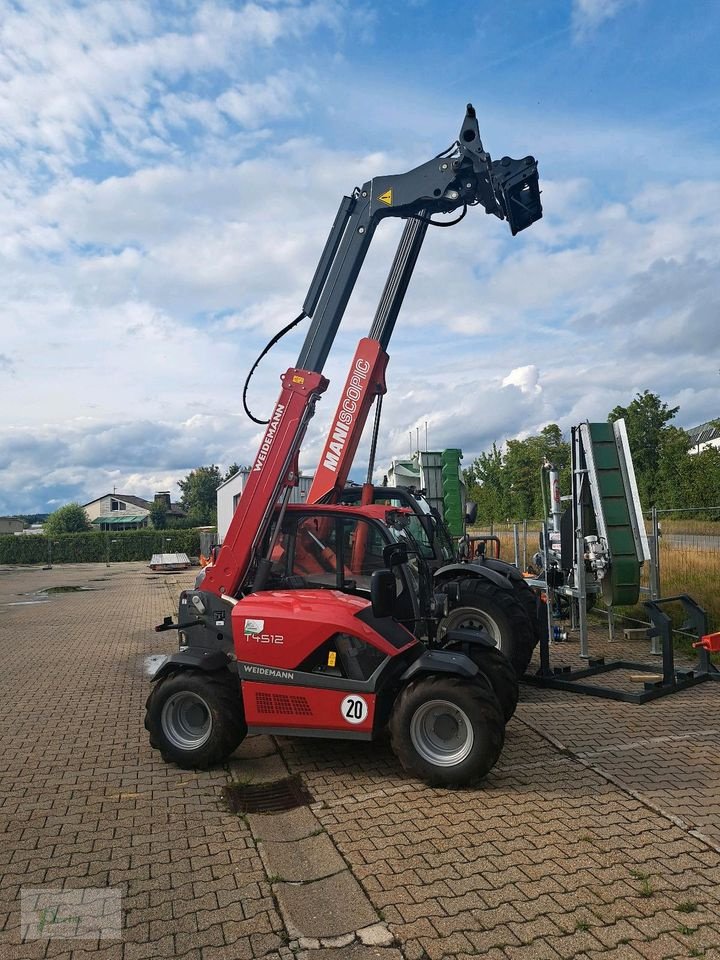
(463, 176)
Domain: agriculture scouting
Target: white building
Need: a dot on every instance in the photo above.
(121, 511)
(704, 436)
(228, 495)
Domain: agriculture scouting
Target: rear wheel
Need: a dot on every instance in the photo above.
(534, 607)
(499, 615)
(497, 668)
(447, 731)
(195, 719)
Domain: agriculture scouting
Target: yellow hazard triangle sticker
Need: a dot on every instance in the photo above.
(386, 197)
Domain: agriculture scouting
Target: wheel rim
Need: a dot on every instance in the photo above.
(441, 733)
(186, 720)
(470, 618)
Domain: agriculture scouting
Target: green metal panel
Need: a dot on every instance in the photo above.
(452, 492)
(622, 585)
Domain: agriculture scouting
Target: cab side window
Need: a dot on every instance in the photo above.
(316, 550)
(315, 556)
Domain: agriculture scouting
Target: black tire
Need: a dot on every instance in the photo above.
(499, 614)
(195, 718)
(447, 731)
(533, 606)
(497, 668)
(529, 598)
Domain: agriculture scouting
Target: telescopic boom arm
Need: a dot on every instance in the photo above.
(465, 175)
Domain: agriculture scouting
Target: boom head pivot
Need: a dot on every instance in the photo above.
(464, 175)
(508, 188)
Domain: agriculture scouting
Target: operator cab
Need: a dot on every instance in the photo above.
(338, 548)
(426, 525)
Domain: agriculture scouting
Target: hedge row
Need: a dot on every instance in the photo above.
(93, 547)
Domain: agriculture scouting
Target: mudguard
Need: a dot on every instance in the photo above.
(477, 570)
(501, 566)
(191, 659)
(441, 661)
(468, 636)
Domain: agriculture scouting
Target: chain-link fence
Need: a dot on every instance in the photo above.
(687, 559)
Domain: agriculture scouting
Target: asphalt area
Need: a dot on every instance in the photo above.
(596, 835)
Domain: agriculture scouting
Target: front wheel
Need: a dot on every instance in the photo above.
(447, 731)
(497, 668)
(195, 719)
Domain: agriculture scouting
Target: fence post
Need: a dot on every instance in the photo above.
(516, 543)
(655, 643)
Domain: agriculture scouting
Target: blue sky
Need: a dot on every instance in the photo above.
(170, 172)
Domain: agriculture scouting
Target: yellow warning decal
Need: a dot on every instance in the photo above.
(297, 379)
(386, 197)
(332, 657)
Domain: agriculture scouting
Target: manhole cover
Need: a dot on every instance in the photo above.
(283, 794)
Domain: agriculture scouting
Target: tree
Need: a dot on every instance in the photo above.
(158, 514)
(509, 485)
(524, 462)
(199, 494)
(68, 519)
(646, 418)
(487, 485)
(232, 470)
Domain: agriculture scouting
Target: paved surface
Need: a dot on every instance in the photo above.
(596, 835)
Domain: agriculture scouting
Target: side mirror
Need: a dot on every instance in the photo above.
(395, 555)
(471, 509)
(383, 593)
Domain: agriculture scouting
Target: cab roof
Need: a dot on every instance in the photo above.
(374, 511)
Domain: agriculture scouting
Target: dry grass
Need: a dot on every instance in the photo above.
(707, 527)
(695, 572)
(684, 568)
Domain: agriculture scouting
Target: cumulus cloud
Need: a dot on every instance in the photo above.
(118, 79)
(161, 215)
(527, 378)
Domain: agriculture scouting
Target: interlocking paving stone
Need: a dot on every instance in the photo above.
(84, 801)
(564, 851)
(353, 952)
(545, 858)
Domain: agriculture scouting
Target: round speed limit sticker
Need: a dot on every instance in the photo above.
(354, 709)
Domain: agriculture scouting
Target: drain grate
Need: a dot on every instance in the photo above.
(273, 797)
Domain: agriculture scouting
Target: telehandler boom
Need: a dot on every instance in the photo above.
(308, 622)
(465, 176)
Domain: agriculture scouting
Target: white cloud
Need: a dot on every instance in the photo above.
(527, 378)
(161, 216)
(67, 77)
(587, 15)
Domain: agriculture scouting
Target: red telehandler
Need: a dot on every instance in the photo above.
(321, 619)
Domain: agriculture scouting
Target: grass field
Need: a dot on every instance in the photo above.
(684, 568)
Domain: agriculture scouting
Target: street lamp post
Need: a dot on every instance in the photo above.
(109, 541)
(50, 546)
